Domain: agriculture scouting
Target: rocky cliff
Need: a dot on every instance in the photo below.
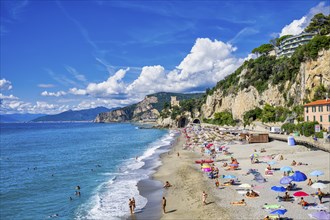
(311, 74)
(148, 110)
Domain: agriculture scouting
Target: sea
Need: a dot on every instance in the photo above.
(42, 165)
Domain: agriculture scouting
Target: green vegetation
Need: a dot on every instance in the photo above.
(320, 24)
(263, 49)
(320, 92)
(251, 115)
(279, 40)
(305, 128)
(222, 118)
(165, 97)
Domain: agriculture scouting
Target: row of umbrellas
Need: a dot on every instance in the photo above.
(321, 215)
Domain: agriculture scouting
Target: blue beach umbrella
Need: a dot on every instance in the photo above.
(278, 212)
(286, 168)
(228, 176)
(298, 176)
(324, 215)
(271, 162)
(317, 173)
(285, 180)
(278, 188)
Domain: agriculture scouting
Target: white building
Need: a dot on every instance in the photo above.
(290, 44)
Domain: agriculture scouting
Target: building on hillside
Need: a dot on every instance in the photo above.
(290, 44)
(318, 111)
(174, 102)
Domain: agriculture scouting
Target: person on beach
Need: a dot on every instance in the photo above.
(130, 205)
(242, 202)
(178, 154)
(133, 204)
(303, 202)
(164, 205)
(217, 183)
(204, 198)
(320, 195)
(267, 218)
(309, 183)
(167, 184)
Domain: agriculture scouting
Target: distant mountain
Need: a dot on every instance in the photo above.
(15, 118)
(80, 115)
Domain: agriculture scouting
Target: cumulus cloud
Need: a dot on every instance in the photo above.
(5, 84)
(76, 91)
(297, 26)
(15, 106)
(7, 97)
(113, 86)
(55, 94)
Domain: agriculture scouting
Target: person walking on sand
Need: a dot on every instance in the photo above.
(133, 204)
(164, 205)
(320, 195)
(130, 204)
(204, 198)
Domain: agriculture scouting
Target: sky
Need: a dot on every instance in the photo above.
(61, 55)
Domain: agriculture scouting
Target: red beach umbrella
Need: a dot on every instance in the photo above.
(300, 194)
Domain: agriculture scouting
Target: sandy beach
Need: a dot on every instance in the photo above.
(184, 198)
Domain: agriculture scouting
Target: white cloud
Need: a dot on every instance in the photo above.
(297, 26)
(76, 91)
(55, 94)
(16, 106)
(5, 84)
(7, 97)
(113, 86)
(76, 74)
(46, 85)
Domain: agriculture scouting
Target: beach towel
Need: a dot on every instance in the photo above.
(272, 206)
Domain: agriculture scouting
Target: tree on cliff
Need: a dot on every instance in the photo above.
(263, 49)
(320, 24)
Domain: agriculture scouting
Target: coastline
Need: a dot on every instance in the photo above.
(184, 198)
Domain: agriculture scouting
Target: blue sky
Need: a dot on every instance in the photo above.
(60, 55)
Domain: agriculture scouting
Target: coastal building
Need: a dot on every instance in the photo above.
(290, 44)
(174, 102)
(318, 111)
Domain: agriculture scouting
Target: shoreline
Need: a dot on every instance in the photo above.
(184, 198)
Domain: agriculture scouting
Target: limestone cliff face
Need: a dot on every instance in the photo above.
(311, 75)
(143, 111)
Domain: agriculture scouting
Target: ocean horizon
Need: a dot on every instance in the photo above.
(42, 164)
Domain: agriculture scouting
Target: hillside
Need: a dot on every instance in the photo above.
(147, 110)
(80, 115)
(282, 82)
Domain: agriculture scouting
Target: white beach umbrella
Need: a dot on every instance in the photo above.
(318, 185)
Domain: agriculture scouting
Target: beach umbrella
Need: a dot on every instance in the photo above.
(228, 176)
(300, 194)
(206, 169)
(278, 212)
(322, 215)
(286, 168)
(271, 162)
(278, 188)
(318, 185)
(298, 176)
(317, 173)
(285, 180)
(245, 185)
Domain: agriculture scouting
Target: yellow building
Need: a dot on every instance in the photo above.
(318, 111)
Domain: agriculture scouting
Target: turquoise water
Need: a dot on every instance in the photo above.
(41, 165)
